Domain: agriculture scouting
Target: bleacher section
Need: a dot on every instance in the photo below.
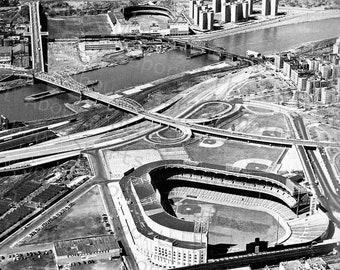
(274, 191)
(232, 200)
(303, 229)
(308, 228)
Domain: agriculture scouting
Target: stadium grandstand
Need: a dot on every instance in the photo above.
(146, 193)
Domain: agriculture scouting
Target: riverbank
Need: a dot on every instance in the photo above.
(9, 85)
(279, 21)
(68, 57)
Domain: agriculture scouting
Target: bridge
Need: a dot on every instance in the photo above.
(186, 44)
(38, 63)
(65, 81)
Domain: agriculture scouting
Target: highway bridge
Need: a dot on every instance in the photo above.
(38, 63)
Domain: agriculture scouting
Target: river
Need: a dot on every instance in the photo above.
(160, 65)
(280, 38)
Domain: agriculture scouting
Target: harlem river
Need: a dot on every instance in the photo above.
(157, 66)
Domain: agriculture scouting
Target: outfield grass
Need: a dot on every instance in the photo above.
(232, 151)
(71, 27)
(83, 219)
(233, 225)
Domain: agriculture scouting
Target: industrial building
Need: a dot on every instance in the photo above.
(5, 56)
(84, 249)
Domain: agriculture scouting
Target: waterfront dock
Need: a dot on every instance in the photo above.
(43, 95)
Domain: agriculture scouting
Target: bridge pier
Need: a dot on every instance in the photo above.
(187, 46)
(221, 56)
(81, 95)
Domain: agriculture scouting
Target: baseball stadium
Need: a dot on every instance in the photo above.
(180, 213)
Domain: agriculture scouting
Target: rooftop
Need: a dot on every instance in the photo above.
(86, 245)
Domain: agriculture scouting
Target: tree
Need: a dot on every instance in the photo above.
(24, 12)
(4, 3)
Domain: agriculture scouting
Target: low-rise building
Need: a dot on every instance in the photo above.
(84, 249)
(5, 55)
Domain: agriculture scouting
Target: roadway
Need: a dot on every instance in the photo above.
(101, 178)
(321, 183)
(36, 41)
(8, 245)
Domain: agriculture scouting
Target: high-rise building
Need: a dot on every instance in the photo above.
(245, 10)
(251, 4)
(274, 7)
(278, 61)
(210, 20)
(197, 9)
(226, 16)
(336, 46)
(191, 8)
(326, 70)
(313, 64)
(335, 71)
(265, 7)
(327, 95)
(216, 5)
(286, 68)
(235, 12)
(294, 75)
(302, 83)
(310, 85)
(203, 21)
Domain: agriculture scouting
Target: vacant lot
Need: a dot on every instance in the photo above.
(45, 262)
(72, 27)
(83, 219)
(269, 125)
